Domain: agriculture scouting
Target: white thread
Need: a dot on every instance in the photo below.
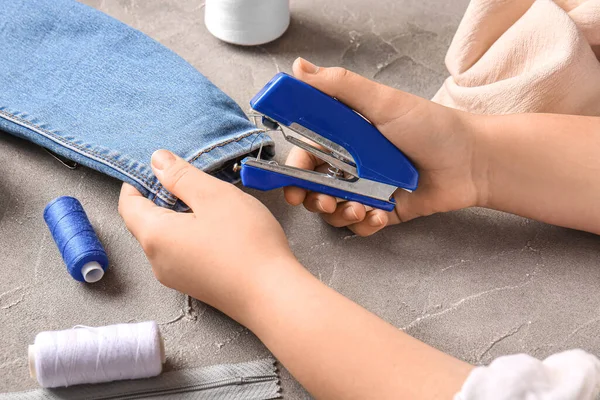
(247, 22)
(93, 355)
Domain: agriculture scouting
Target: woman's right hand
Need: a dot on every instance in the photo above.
(440, 142)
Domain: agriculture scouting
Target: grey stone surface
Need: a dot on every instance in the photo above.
(474, 283)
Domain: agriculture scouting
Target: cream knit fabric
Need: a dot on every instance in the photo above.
(515, 56)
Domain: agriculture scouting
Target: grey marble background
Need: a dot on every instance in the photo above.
(477, 284)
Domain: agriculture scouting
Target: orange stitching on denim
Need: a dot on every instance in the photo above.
(156, 189)
(209, 149)
(119, 166)
(168, 195)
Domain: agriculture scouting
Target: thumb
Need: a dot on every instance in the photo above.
(378, 103)
(184, 180)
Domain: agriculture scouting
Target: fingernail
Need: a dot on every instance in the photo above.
(308, 67)
(162, 159)
(350, 214)
(375, 220)
(319, 206)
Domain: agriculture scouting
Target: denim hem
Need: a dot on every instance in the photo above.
(215, 157)
(80, 148)
(210, 159)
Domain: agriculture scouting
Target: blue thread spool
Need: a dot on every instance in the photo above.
(76, 240)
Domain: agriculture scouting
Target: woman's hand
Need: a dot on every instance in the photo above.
(219, 252)
(437, 139)
(232, 254)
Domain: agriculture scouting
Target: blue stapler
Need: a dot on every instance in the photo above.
(364, 165)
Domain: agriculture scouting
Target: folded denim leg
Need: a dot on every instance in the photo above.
(106, 96)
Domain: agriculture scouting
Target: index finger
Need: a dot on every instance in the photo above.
(302, 159)
(136, 210)
(371, 99)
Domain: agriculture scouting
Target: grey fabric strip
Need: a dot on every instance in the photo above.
(255, 380)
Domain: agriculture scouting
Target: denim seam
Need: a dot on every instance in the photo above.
(211, 148)
(155, 188)
(165, 193)
(89, 152)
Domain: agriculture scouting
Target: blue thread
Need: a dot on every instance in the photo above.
(74, 235)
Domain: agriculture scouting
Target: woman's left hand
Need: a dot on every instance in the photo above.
(218, 252)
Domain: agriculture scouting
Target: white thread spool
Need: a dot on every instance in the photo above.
(94, 355)
(247, 22)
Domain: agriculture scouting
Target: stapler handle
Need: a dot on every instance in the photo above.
(262, 179)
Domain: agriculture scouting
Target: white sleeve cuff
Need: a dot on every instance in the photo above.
(571, 375)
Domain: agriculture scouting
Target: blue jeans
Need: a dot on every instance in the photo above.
(104, 95)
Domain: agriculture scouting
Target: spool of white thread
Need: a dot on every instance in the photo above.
(247, 22)
(94, 355)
